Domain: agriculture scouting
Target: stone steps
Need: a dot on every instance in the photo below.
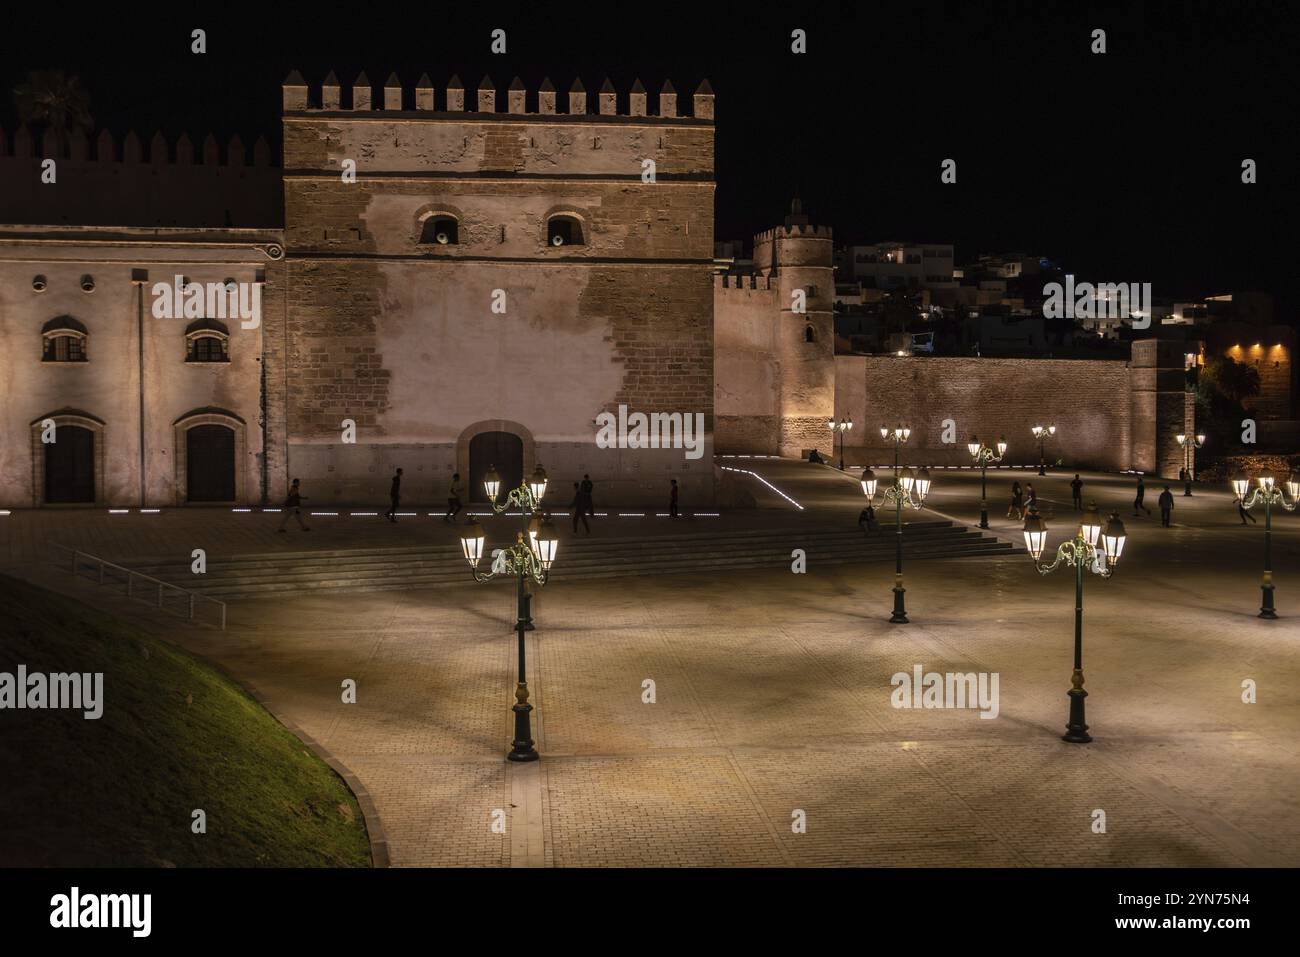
(378, 569)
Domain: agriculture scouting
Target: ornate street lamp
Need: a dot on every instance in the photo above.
(908, 491)
(1189, 445)
(529, 559)
(1269, 495)
(1081, 552)
(1041, 433)
(983, 455)
(842, 426)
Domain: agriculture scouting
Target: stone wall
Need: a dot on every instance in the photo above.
(1087, 400)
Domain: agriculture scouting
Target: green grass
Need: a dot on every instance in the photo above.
(176, 735)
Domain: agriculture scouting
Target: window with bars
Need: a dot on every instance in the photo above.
(65, 347)
(207, 349)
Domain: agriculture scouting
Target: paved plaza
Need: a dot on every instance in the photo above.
(772, 697)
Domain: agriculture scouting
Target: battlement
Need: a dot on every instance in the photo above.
(397, 98)
(793, 232)
(754, 282)
(130, 149)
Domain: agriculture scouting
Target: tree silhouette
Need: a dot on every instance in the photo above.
(55, 101)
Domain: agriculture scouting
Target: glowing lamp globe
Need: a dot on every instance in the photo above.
(471, 542)
(1035, 534)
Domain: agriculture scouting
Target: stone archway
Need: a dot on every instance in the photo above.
(218, 443)
(528, 451)
(71, 473)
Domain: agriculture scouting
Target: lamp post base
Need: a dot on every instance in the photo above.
(1266, 609)
(899, 617)
(1076, 732)
(521, 748)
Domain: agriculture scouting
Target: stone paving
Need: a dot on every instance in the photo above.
(773, 696)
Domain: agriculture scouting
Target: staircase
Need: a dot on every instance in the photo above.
(580, 559)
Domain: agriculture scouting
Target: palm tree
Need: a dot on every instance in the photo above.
(55, 101)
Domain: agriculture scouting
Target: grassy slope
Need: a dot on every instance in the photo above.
(175, 735)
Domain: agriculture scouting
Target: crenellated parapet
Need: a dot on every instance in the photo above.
(793, 232)
(726, 283)
(486, 99)
(131, 148)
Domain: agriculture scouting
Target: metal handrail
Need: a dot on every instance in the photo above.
(131, 575)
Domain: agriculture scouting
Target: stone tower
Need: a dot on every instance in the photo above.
(476, 279)
(797, 256)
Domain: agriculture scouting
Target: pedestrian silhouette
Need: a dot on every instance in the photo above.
(588, 489)
(453, 499)
(672, 500)
(395, 497)
(1166, 503)
(1139, 505)
(292, 506)
(1241, 510)
(1017, 509)
(579, 506)
(1076, 492)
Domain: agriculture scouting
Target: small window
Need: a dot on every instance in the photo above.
(439, 231)
(809, 334)
(564, 231)
(207, 348)
(65, 347)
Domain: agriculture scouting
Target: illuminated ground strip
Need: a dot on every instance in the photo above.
(728, 468)
(123, 511)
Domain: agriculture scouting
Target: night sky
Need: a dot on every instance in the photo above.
(1125, 166)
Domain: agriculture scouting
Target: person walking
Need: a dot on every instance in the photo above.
(579, 506)
(1241, 510)
(1032, 496)
(395, 497)
(453, 499)
(1166, 503)
(588, 490)
(1076, 492)
(1017, 509)
(1139, 505)
(867, 519)
(292, 506)
(672, 500)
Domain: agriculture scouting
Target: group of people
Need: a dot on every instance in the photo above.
(583, 505)
(1023, 499)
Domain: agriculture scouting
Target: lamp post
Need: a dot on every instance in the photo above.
(900, 494)
(842, 426)
(983, 455)
(1080, 552)
(1189, 445)
(1041, 433)
(1269, 495)
(529, 559)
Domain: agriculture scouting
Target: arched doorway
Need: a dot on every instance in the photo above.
(70, 466)
(501, 449)
(210, 464)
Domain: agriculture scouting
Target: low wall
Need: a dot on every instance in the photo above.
(1088, 401)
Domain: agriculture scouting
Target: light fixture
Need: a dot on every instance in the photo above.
(492, 483)
(1090, 527)
(471, 542)
(1035, 534)
(868, 483)
(537, 484)
(1112, 540)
